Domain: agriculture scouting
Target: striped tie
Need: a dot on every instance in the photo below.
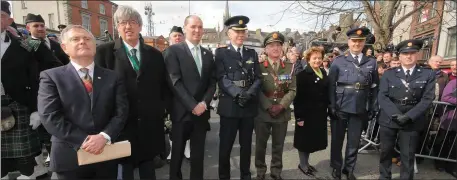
(87, 80)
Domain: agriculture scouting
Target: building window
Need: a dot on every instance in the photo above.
(84, 4)
(103, 26)
(423, 15)
(86, 21)
(102, 9)
(451, 42)
(434, 10)
(24, 18)
(452, 5)
(23, 4)
(51, 21)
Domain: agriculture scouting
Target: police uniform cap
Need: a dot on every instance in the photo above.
(412, 45)
(237, 23)
(273, 37)
(358, 33)
(33, 18)
(61, 26)
(6, 7)
(176, 29)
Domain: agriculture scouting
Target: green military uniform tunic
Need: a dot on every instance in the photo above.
(278, 88)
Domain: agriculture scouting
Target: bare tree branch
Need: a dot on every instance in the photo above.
(406, 16)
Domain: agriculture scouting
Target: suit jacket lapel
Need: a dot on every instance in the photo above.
(191, 60)
(400, 73)
(364, 60)
(143, 56)
(98, 82)
(206, 59)
(74, 77)
(245, 55)
(121, 55)
(415, 74)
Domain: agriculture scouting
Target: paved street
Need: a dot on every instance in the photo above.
(367, 163)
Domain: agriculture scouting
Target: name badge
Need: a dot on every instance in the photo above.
(369, 67)
(265, 74)
(421, 82)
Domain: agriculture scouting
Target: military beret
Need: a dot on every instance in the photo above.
(237, 23)
(273, 37)
(412, 45)
(176, 29)
(33, 18)
(6, 7)
(61, 26)
(358, 33)
(51, 35)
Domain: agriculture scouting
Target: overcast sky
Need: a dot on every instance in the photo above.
(262, 14)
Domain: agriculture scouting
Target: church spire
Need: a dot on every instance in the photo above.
(226, 11)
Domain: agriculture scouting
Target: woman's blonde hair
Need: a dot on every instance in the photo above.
(311, 51)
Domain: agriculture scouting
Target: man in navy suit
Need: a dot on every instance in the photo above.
(82, 106)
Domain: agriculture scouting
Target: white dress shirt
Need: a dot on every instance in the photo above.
(3, 45)
(199, 52)
(236, 49)
(411, 70)
(359, 56)
(91, 74)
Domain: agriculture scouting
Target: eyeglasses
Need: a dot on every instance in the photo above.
(131, 22)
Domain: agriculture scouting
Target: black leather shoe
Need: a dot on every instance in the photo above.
(307, 172)
(336, 174)
(276, 177)
(312, 168)
(260, 177)
(349, 175)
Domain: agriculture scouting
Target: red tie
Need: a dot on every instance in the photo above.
(87, 80)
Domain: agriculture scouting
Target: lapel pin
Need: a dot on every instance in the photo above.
(99, 78)
(398, 70)
(318, 79)
(228, 47)
(418, 70)
(204, 52)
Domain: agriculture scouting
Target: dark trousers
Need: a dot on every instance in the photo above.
(194, 130)
(227, 134)
(263, 130)
(45, 138)
(103, 170)
(407, 141)
(25, 165)
(145, 168)
(354, 125)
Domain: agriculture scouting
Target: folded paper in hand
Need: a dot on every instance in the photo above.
(110, 152)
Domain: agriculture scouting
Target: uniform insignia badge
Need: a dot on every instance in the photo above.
(359, 32)
(410, 44)
(398, 70)
(275, 36)
(204, 52)
(240, 21)
(249, 61)
(369, 67)
(99, 78)
(265, 74)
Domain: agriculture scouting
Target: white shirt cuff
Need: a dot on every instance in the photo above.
(106, 136)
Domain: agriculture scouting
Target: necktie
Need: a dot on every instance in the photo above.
(275, 66)
(356, 59)
(407, 74)
(197, 59)
(134, 59)
(239, 52)
(87, 80)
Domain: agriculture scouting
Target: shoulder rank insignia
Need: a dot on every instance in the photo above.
(249, 61)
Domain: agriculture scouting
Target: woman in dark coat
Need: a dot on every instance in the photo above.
(310, 109)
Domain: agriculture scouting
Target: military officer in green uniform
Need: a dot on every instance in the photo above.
(277, 93)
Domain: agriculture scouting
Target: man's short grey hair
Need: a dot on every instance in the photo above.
(64, 33)
(127, 13)
(435, 56)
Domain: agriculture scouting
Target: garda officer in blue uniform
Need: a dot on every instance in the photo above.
(405, 93)
(239, 84)
(353, 87)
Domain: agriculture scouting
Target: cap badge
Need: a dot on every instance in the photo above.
(359, 32)
(410, 44)
(275, 36)
(240, 21)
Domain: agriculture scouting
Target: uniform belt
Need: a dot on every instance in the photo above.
(357, 86)
(274, 95)
(241, 83)
(404, 102)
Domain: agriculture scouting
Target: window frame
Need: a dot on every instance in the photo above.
(102, 6)
(451, 36)
(100, 24)
(84, 4)
(83, 15)
(51, 20)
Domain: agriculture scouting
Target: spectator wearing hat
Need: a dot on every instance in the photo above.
(176, 35)
(61, 27)
(53, 37)
(353, 82)
(405, 94)
(277, 93)
(36, 25)
(20, 67)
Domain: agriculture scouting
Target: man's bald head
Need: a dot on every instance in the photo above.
(435, 61)
(193, 17)
(193, 29)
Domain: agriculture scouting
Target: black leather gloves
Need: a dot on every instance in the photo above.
(401, 119)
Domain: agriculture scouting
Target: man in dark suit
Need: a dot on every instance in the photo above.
(37, 27)
(82, 106)
(143, 69)
(193, 81)
(239, 80)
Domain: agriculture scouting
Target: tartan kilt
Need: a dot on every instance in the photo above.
(21, 140)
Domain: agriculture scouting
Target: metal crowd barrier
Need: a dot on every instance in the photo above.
(370, 136)
(438, 136)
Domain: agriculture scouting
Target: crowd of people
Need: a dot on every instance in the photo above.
(72, 95)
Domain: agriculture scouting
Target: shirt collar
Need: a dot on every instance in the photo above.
(411, 70)
(236, 47)
(137, 46)
(191, 46)
(78, 67)
(359, 56)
